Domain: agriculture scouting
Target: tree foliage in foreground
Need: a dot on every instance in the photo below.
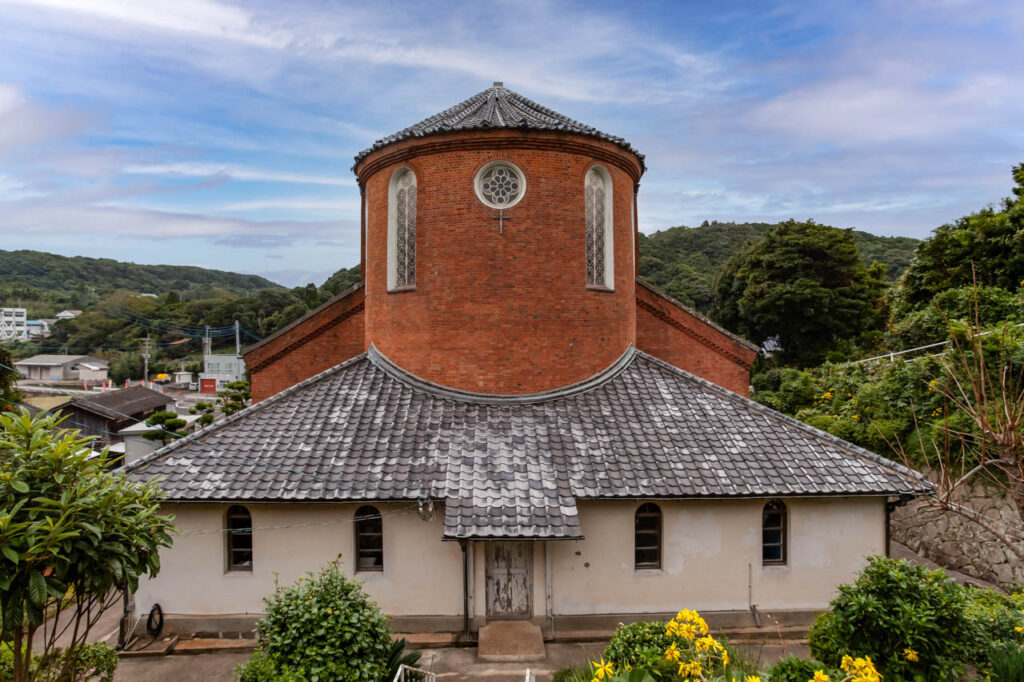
(803, 285)
(72, 535)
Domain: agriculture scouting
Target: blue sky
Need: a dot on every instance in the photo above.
(221, 134)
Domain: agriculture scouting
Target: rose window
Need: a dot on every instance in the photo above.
(500, 185)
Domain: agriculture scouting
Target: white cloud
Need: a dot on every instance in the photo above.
(199, 17)
(210, 170)
(38, 218)
(297, 203)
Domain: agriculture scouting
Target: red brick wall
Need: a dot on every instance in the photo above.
(329, 335)
(673, 334)
(500, 313)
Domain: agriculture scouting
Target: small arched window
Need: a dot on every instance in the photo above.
(773, 533)
(238, 527)
(597, 193)
(647, 536)
(369, 539)
(402, 230)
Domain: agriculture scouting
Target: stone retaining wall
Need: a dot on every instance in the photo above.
(950, 540)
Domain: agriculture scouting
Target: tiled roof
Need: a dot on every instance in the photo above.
(496, 107)
(642, 429)
(116, 404)
(51, 359)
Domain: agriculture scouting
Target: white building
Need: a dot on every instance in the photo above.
(223, 369)
(13, 324)
(68, 314)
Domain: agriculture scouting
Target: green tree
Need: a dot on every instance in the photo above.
(987, 246)
(805, 285)
(8, 379)
(235, 397)
(169, 426)
(68, 526)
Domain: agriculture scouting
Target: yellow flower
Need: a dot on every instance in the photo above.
(602, 670)
(672, 628)
(820, 676)
(693, 668)
(753, 678)
(1019, 628)
(725, 657)
(846, 663)
(672, 653)
(910, 655)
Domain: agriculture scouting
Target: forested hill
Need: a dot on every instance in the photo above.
(47, 283)
(684, 260)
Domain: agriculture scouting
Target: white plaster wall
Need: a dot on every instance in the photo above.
(707, 548)
(422, 575)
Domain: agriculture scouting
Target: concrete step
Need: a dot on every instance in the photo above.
(511, 640)
(211, 645)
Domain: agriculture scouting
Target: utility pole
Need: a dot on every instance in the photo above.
(238, 342)
(145, 361)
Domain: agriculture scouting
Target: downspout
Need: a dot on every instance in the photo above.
(548, 594)
(465, 588)
(750, 595)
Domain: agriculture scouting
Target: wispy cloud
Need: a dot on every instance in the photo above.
(210, 170)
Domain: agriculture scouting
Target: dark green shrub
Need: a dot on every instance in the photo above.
(637, 643)
(1006, 661)
(894, 606)
(320, 629)
(95, 662)
(397, 656)
(793, 669)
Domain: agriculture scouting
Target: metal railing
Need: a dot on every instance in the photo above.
(406, 673)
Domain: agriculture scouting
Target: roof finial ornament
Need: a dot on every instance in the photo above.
(498, 84)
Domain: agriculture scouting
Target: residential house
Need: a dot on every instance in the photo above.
(105, 414)
(61, 367)
(502, 421)
(68, 314)
(220, 370)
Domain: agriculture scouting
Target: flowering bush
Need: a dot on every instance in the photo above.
(793, 669)
(681, 649)
(910, 620)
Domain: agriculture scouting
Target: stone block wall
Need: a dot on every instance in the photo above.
(960, 544)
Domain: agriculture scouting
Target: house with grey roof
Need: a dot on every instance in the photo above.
(502, 421)
(62, 367)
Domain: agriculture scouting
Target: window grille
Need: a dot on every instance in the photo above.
(239, 538)
(596, 202)
(369, 539)
(647, 536)
(500, 185)
(773, 533)
(405, 230)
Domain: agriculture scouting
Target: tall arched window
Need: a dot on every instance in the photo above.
(597, 194)
(647, 536)
(238, 527)
(773, 533)
(402, 230)
(369, 539)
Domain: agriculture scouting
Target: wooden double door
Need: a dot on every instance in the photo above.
(509, 580)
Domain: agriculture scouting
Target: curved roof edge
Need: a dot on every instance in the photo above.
(496, 108)
(387, 366)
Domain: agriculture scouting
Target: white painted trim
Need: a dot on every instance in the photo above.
(392, 225)
(488, 166)
(609, 224)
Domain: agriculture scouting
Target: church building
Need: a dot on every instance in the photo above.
(502, 420)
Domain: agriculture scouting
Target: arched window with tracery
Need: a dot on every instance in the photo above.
(402, 230)
(773, 533)
(647, 536)
(238, 533)
(597, 194)
(369, 528)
